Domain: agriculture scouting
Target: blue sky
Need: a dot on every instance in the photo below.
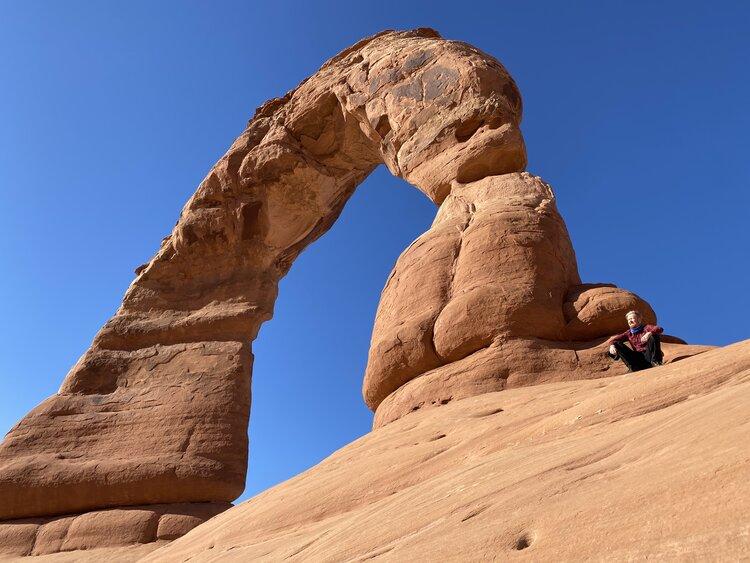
(111, 113)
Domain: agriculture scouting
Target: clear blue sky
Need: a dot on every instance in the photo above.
(112, 112)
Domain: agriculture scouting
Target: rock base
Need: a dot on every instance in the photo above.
(487, 371)
(116, 527)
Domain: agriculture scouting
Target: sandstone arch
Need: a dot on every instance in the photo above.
(178, 347)
(156, 410)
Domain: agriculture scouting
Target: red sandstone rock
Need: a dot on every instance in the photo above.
(499, 262)
(489, 298)
(103, 528)
(593, 310)
(645, 466)
(174, 429)
(156, 410)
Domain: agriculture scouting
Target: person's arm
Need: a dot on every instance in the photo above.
(618, 338)
(648, 330)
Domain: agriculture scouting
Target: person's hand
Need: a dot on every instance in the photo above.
(613, 350)
(645, 337)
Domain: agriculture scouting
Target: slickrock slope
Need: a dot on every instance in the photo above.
(654, 464)
(647, 465)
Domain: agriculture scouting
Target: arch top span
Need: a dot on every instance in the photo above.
(437, 113)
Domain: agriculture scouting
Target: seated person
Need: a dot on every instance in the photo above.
(645, 341)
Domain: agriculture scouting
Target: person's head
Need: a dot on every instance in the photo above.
(633, 318)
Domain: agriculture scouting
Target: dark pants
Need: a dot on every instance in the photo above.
(637, 361)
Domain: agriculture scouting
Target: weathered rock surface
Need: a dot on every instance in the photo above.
(117, 527)
(172, 427)
(156, 411)
(496, 264)
(594, 310)
(639, 466)
(490, 298)
(506, 365)
(651, 465)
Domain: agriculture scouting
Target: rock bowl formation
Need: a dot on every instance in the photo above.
(147, 435)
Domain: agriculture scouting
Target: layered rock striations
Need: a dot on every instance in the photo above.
(626, 468)
(488, 298)
(156, 411)
(116, 528)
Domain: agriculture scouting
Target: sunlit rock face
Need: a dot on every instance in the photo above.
(489, 298)
(156, 410)
(629, 468)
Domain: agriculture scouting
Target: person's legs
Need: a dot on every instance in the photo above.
(634, 360)
(653, 353)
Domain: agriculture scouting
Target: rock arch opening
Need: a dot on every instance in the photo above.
(309, 359)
